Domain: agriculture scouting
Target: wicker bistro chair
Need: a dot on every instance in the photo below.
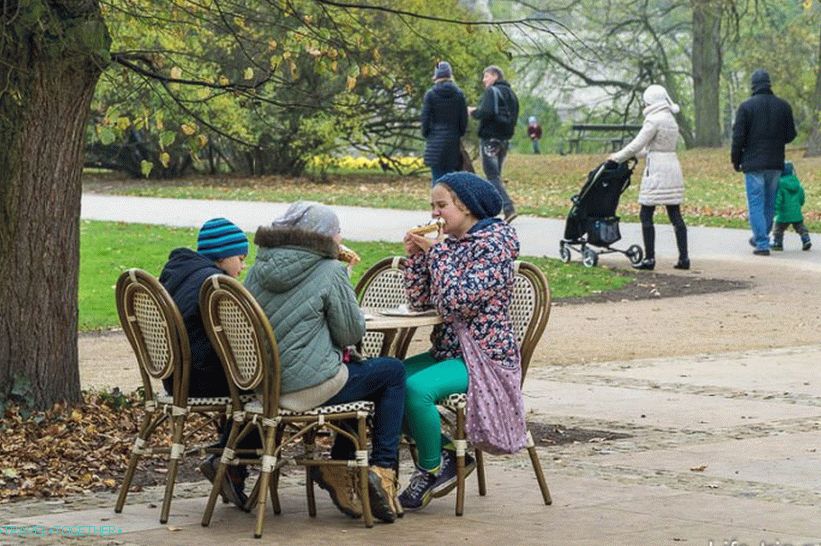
(154, 327)
(243, 337)
(382, 287)
(529, 310)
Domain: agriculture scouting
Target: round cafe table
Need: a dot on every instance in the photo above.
(393, 327)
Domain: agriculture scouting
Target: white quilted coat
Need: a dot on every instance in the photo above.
(662, 182)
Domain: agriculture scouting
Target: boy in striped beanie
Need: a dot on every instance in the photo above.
(221, 248)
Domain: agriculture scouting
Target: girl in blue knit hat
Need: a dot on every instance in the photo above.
(221, 249)
(468, 278)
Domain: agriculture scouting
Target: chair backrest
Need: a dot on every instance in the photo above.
(153, 325)
(381, 287)
(529, 309)
(241, 334)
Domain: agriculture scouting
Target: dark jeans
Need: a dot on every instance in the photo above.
(780, 227)
(648, 230)
(381, 381)
(493, 157)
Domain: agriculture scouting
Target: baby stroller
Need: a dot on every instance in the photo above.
(592, 220)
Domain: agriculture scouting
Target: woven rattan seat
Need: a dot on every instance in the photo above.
(361, 405)
(383, 287)
(245, 341)
(154, 328)
(529, 312)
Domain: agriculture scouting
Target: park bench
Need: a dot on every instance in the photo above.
(614, 135)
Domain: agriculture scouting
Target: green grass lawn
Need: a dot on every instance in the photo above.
(109, 248)
(540, 185)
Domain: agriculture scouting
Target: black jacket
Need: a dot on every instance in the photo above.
(489, 125)
(444, 121)
(763, 125)
(182, 277)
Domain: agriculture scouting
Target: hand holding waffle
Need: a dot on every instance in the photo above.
(415, 240)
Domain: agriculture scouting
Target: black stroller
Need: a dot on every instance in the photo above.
(592, 220)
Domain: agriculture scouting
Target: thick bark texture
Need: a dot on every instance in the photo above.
(706, 59)
(814, 141)
(51, 55)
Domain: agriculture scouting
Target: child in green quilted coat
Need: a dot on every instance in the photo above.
(788, 202)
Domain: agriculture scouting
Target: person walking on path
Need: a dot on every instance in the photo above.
(788, 203)
(534, 133)
(444, 122)
(497, 113)
(662, 182)
(763, 126)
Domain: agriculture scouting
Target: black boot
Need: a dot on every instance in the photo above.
(682, 263)
(648, 264)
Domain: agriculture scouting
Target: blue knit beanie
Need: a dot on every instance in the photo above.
(478, 195)
(220, 238)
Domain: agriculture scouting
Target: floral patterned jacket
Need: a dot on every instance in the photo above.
(469, 280)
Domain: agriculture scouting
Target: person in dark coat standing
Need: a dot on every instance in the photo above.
(763, 126)
(444, 122)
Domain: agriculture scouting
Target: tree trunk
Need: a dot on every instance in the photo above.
(706, 59)
(814, 141)
(51, 55)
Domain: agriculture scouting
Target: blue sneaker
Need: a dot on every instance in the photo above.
(417, 494)
(446, 479)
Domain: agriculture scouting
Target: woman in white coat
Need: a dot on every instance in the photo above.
(662, 182)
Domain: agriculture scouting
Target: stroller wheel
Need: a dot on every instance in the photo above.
(590, 258)
(564, 252)
(635, 254)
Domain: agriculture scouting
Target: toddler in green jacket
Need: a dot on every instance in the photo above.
(788, 203)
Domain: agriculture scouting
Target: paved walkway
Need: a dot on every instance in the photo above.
(539, 236)
(716, 448)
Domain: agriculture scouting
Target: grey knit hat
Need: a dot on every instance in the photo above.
(443, 70)
(310, 216)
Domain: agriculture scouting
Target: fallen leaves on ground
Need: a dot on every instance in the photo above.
(67, 451)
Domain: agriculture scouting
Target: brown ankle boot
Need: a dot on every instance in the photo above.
(382, 486)
(338, 481)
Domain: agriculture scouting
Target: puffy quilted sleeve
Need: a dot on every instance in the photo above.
(636, 146)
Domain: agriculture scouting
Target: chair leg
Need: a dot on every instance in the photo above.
(362, 440)
(268, 466)
(177, 449)
(146, 430)
(216, 487)
(460, 443)
(308, 442)
(480, 472)
(275, 493)
(537, 468)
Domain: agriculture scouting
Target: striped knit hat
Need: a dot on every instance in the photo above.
(219, 238)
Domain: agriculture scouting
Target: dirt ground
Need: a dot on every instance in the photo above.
(717, 307)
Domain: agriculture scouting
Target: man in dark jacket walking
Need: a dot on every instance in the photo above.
(498, 112)
(763, 126)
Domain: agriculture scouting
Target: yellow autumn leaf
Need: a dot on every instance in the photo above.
(223, 80)
(350, 83)
(248, 74)
(364, 70)
(123, 123)
(272, 44)
(76, 415)
(176, 72)
(202, 140)
(187, 129)
(165, 159)
(286, 54)
(334, 66)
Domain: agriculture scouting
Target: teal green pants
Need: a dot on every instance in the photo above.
(428, 380)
